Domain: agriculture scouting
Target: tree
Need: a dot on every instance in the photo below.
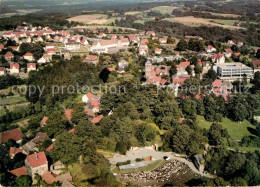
(24, 180)
(217, 135)
(78, 113)
(195, 45)
(198, 69)
(212, 75)
(56, 123)
(257, 54)
(182, 45)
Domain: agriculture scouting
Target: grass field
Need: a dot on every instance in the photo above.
(235, 130)
(224, 15)
(164, 9)
(102, 27)
(196, 22)
(90, 19)
(133, 13)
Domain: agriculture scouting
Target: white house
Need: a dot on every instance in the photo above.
(14, 68)
(210, 49)
(218, 58)
(31, 67)
(28, 56)
(2, 71)
(44, 59)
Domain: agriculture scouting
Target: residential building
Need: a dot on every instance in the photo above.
(14, 134)
(163, 40)
(13, 151)
(9, 56)
(233, 71)
(28, 56)
(122, 65)
(218, 58)
(228, 52)
(2, 71)
(210, 49)
(36, 163)
(31, 67)
(256, 65)
(93, 59)
(45, 59)
(158, 51)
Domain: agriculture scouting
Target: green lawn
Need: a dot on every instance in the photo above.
(225, 22)
(164, 9)
(235, 130)
(12, 100)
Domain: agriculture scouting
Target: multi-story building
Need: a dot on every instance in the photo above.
(233, 71)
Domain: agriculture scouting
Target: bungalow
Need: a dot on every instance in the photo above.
(163, 40)
(143, 52)
(158, 51)
(31, 67)
(14, 68)
(44, 59)
(49, 178)
(39, 39)
(210, 49)
(36, 163)
(218, 58)
(14, 134)
(28, 56)
(256, 65)
(93, 59)
(72, 46)
(50, 46)
(28, 40)
(2, 71)
(87, 98)
(9, 56)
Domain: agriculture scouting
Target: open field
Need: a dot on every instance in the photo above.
(164, 9)
(102, 27)
(90, 19)
(235, 130)
(221, 14)
(196, 22)
(133, 13)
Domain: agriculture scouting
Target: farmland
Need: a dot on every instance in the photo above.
(90, 19)
(133, 13)
(196, 22)
(164, 9)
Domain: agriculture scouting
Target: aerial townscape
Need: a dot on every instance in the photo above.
(129, 93)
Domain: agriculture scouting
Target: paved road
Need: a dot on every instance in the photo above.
(147, 151)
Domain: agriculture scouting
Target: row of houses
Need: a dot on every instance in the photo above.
(15, 69)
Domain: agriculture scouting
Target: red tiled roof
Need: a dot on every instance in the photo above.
(68, 114)
(19, 171)
(111, 69)
(89, 95)
(9, 54)
(97, 119)
(217, 83)
(37, 159)
(14, 134)
(95, 103)
(28, 54)
(183, 64)
(49, 148)
(256, 64)
(181, 120)
(29, 65)
(43, 121)
(91, 57)
(237, 54)
(48, 178)
(72, 130)
(14, 151)
(14, 66)
(2, 68)
(217, 56)
(228, 50)
(2, 46)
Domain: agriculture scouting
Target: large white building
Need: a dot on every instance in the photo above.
(233, 71)
(103, 46)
